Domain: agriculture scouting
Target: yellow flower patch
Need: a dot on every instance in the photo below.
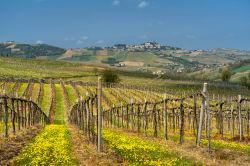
(51, 147)
(141, 152)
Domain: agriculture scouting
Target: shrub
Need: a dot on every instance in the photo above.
(225, 75)
(245, 81)
(110, 76)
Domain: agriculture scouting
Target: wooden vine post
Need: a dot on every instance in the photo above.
(138, 119)
(122, 114)
(13, 113)
(145, 117)
(195, 121)
(221, 119)
(132, 113)
(232, 121)
(240, 118)
(182, 122)
(87, 117)
(247, 121)
(154, 121)
(6, 115)
(99, 127)
(14, 116)
(203, 107)
(208, 124)
(165, 117)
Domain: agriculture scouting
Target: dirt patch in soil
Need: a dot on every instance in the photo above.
(133, 63)
(10, 147)
(87, 154)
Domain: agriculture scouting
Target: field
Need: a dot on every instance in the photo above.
(135, 128)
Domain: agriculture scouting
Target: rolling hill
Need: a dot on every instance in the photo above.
(200, 64)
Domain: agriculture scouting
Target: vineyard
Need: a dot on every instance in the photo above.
(58, 122)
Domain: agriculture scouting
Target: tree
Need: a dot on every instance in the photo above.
(245, 81)
(110, 76)
(110, 60)
(225, 75)
(95, 71)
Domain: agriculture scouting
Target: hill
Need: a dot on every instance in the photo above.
(149, 57)
(30, 51)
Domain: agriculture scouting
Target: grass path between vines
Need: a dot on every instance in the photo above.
(53, 146)
(61, 143)
(85, 153)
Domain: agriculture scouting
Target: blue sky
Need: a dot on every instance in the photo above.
(191, 24)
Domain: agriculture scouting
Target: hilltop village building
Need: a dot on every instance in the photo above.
(147, 45)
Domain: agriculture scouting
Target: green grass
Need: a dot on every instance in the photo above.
(45, 104)
(9, 87)
(81, 58)
(31, 68)
(22, 89)
(35, 91)
(71, 95)
(59, 113)
(147, 58)
(241, 69)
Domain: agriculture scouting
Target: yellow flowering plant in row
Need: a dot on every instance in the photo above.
(142, 152)
(51, 147)
(215, 143)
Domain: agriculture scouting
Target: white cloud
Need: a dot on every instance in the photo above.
(39, 42)
(116, 2)
(143, 4)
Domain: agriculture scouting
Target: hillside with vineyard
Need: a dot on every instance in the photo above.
(149, 57)
(63, 113)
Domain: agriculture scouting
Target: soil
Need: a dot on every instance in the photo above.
(11, 147)
(88, 156)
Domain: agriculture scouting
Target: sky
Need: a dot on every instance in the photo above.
(190, 24)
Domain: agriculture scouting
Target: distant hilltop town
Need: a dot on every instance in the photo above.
(146, 45)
